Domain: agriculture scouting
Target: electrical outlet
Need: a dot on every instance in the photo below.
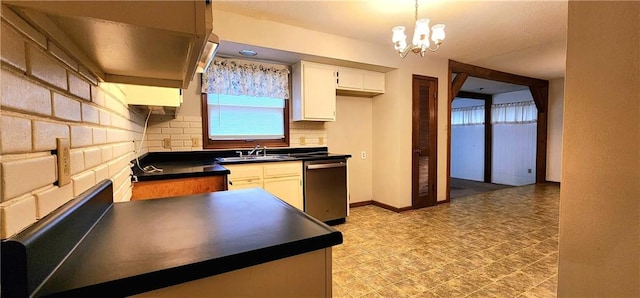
(166, 143)
(64, 161)
(195, 142)
(363, 155)
(321, 140)
(303, 141)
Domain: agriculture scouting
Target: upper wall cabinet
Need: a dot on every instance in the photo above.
(314, 92)
(155, 43)
(158, 100)
(358, 82)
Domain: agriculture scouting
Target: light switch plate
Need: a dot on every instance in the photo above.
(303, 141)
(64, 161)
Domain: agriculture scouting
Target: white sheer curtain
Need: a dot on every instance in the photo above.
(467, 116)
(514, 113)
(231, 78)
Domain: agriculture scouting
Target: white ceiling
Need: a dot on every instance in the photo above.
(522, 37)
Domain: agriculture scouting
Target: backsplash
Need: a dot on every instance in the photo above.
(47, 94)
(184, 133)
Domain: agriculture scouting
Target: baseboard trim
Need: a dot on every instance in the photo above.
(388, 207)
(360, 204)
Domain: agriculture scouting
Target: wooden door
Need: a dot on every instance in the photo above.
(424, 147)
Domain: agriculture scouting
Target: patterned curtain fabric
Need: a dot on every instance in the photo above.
(229, 77)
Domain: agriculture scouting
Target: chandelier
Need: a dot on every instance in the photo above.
(420, 42)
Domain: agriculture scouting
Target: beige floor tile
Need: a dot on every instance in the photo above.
(497, 244)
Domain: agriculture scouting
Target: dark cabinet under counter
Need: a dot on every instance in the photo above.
(158, 189)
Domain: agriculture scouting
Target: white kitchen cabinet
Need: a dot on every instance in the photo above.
(314, 92)
(373, 81)
(351, 81)
(244, 176)
(151, 96)
(282, 179)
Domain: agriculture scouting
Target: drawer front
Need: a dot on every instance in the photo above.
(283, 169)
(244, 172)
(242, 184)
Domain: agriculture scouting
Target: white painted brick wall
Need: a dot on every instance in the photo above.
(46, 94)
(12, 50)
(77, 161)
(15, 134)
(79, 87)
(90, 113)
(46, 68)
(21, 176)
(92, 157)
(17, 214)
(66, 108)
(52, 198)
(20, 93)
(45, 134)
(81, 136)
(83, 181)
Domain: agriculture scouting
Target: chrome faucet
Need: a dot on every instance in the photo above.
(264, 151)
(255, 150)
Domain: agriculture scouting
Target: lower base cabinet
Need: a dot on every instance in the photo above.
(281, 179)
(157, 189)
(304, 275)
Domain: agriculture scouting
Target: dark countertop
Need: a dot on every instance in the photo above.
(144, 245)
(184, 169)
(203, 163)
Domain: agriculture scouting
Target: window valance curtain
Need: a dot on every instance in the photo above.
(506, 113)
(514, 113)
(231, 78)
(467, 116)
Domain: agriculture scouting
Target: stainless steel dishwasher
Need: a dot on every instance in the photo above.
(325, 189)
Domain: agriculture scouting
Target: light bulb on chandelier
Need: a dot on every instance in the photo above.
(420, 42)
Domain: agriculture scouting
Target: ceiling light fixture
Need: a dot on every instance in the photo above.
(248, 53)
(420, 42)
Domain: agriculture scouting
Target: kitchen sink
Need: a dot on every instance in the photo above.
(254, 158)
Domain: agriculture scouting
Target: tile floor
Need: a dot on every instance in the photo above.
(496, 244)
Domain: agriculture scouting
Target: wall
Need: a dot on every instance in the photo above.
(467, 152)
(352, 133)
(514, 146)
(46, 94)
(600, 195)
(554, 130)
(467, 145)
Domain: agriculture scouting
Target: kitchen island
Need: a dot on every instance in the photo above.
(239, 243)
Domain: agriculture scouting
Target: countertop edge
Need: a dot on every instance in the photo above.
(174, 276)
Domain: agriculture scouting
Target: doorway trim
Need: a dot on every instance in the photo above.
(539, 91)
(432, 198)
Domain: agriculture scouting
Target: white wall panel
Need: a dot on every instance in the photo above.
(467, 152)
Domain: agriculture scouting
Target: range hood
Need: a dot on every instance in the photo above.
(209, 52)
(155, 43)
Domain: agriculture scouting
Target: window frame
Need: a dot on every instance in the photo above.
(241, 144)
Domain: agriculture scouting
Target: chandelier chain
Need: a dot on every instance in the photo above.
(416, 15)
